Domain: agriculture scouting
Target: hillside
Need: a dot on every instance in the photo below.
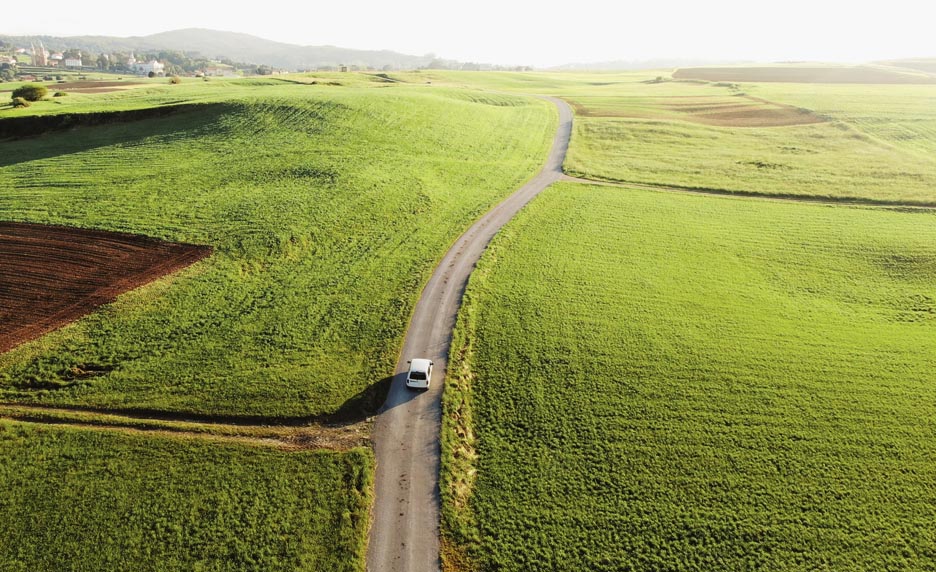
(231, 45)
(326, 207)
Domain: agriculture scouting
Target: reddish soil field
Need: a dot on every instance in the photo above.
(51, 275)
(86, 86)
(93, 86)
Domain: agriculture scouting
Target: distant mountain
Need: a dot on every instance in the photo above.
(229, 45)
(628, 65)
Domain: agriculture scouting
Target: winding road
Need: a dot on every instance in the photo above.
(404, 534)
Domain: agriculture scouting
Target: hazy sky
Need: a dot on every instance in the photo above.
(526, 32)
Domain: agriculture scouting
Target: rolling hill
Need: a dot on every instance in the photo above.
(232, 45)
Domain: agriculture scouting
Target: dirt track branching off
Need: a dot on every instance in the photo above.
(309, 436)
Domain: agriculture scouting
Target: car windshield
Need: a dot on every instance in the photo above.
(417, 375)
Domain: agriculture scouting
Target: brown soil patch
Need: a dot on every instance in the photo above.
(92, 90)
(88, 86)
(754, 113)
(93, 86)
(50, 276)
(72, 85)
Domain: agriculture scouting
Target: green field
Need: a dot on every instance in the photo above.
(327, 207)
(900, 116)
(871, 143)
(678, 140)
(654, 381)
(78, 499)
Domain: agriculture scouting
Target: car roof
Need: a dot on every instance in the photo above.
(420, 365)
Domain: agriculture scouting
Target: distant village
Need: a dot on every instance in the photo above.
(36, 62)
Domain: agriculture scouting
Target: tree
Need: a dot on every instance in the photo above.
(30, 92)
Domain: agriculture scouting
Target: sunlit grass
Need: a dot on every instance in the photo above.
(78, 499)
(653, 381)
(327, 207)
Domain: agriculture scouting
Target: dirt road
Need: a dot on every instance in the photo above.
(405, 531)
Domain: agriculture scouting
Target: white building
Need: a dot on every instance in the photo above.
(73, 62)
(144, 68)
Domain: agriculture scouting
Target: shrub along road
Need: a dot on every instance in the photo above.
(405, 531)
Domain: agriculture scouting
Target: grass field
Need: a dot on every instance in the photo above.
(78, 499)
(653, 381)
(902, 117)
(736, 143)
(327, 208)
(859, 142)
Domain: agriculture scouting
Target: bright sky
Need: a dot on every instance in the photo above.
(529, 32)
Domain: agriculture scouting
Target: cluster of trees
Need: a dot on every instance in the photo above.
(440, 64)
(176, 62)
(25, 94)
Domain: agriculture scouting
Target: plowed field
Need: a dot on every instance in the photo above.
(51, 275)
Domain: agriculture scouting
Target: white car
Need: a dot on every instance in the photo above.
(420, 372)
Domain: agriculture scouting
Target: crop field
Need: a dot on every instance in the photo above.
(53, 275)
(658, 381)
(79, 499)
(326, 206)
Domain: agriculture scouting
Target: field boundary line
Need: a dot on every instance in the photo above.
(811, 199)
